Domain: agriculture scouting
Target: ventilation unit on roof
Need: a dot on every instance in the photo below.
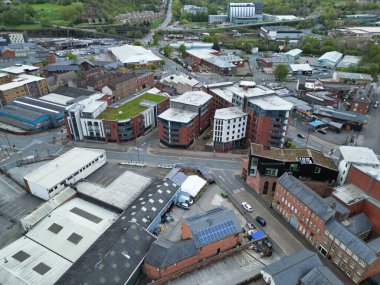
(305, 160)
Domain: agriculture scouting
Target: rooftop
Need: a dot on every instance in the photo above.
(294, 52)
(130, 54)
(332, 56)
(229, 113)
(131, 108)
(375, 245)
(272, 102)
(120, 193)
(203, 53)
(290, 269)
(354, 76)
(321, 275)
(371, 170)
(339, 114)
(354, 243)
(19, 81)
(307, 196)
(220, 62)
(301, 67)
(349, 194)
(72, 228)
(60, 168)
(177, 115)
(25, 262)
(164, 252)
(73, 92)
(38, 105)
(57, 98)
(19, 69)
(364, 29)
(195, 98)
(193, 184)
(359, 155)
(212, 225)
(180, 79)
(358, 224)
(292, 155)
(348, 60)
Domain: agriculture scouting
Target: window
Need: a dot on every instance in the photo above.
(352, 265)
(356, 279)
(342, 266)
(317, 170)
(271, 171)
(342, 246)
(333, 247)
(21, 256)
(336, 260)
(349, 272)
(362, 263)
(294, 167)
(41, 268)
(355, 257)
(345, 259)
(349, 252)
(360, 271)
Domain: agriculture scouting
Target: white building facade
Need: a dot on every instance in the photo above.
(229, 130)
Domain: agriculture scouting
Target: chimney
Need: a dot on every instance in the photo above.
(245, 87)
(333, 205)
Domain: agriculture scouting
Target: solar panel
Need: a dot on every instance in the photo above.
(55, 228)
(75, 238)
(21, 256)
(217, 232)
(41, 268)
(86, 215)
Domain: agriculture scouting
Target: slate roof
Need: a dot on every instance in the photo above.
(164, 252)
(354, 243)
(375, 245)
(213, 219)
(73, 92)
(342, 210)
(358, 224)
(289, 270)
(307, 196)
(321, 275)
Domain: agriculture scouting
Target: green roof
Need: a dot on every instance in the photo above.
(131, 108)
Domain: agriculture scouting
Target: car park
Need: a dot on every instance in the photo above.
(183, 205)
(261, 221)
(247, 207)
(301, 136)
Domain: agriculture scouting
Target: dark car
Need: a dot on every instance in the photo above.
(261, 221)
(301, 136)
(267, 243)
(321, 131)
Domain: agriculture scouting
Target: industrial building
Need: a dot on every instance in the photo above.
(75, 164)
(301, 69)
(244, 13)
(349, 61)
(330, 59)
(229, 128)
(280, 33)
(137, 55)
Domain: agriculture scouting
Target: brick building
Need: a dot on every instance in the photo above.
(23, 85)
(265, 165)
(314, 218)
(189, 115)
(362, 99)
(202, 236)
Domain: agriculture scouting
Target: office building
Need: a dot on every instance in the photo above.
(280, 33)
(244, 13)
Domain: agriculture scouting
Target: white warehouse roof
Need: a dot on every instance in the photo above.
(301, 67)
(72, 228)
(130, 54)
(193, 184)
(25, 262)
(294, 52)
(229, 113)
(360, 155)
(195, 98)
(272, 103)
(332, 56)
(62, 167)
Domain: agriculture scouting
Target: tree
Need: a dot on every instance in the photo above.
(162, 62)
(280, 72)
(182, 50)
(247, 47)
(216, 46)
(156, 38)
(72, 12)
(70, 55)
(167, 51)
(286, 42)
(136, 43)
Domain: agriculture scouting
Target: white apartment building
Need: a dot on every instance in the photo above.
(230, 127)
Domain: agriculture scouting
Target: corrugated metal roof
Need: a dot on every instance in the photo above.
(321, 275)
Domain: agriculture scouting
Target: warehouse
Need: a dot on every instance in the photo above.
(330, 59)
(70, 167)
(72, 228)
(301, 69)
(25, 262)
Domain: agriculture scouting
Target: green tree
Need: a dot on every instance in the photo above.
(156, 38)
(182, 50)
(70, 55)
(373, 69)
(167, 51)
(281, 72)
(162, 62)
(136, 43)
(247, 47)
(72, 12)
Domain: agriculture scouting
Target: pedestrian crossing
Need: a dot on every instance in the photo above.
(238, 190)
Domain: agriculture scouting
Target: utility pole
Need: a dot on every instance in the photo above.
(307, 139)
(6, 136)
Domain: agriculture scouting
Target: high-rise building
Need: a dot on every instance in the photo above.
(241, 13)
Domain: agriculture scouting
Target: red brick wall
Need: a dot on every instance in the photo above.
(163, 106)
(8, 53)
(373, 269)
(263, 62)
(185, 231)
(224, 244)
(114, 130)
(364, 182)
(186, 134)
(70, 135)
(373, 213)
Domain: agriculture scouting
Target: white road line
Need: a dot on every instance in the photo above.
(10, 186)
(221, 178)
(14, 211)
(19, 213)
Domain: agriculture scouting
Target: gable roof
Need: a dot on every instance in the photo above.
(307, 196)
(164, 252)
(289, 270)
(212, 225)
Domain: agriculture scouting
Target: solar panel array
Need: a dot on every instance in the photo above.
(210, 212)
(214, 233)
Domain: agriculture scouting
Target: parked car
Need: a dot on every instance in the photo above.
(224, 194)
(261, 221)
(267, 243)
(376, 104)
(183, 205)
(321, 131)
(301, 136)
(247, 207)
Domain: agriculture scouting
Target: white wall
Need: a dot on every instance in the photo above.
(228, 130)
(85, 126)
(148, 117)
(343, 168)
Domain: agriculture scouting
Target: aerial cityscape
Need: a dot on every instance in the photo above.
(189, 142)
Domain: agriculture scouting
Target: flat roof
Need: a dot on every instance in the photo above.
(134, 54)
(59, 169)
(193, 184)
(19, 69)
(349, 194)
(93, 106)
(364, 29)
(28, 263)
(177, 115)
(180, 79)
(360, 155)
(355, 76)
(272, 102)
(229, 113)
(203, 53)
(301, 67)
(339, 114)
(72, 228)
(284, 154)
(73, 92)
(19, 81)
(120, 193)
(195, 98)
(347, 60)
(57, 98)
(220, 62)
(39, 105)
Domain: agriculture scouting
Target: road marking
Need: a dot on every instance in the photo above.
(19, 213)
(222, 178)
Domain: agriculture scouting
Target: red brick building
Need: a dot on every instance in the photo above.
(203, 236)
(190, 114)
(314, 218)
